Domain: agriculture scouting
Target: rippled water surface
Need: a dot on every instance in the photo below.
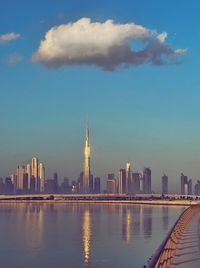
(81, 235)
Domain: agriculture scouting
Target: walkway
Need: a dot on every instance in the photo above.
(188, 251)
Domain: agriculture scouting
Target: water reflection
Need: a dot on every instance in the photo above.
(147, 222)
(126, 224)
(141, 218)
(165, 217)
(86, 236)
(33, 225)
(81, 235)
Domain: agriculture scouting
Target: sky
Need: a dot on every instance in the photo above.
(61, 61)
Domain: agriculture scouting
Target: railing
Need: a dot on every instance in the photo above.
(163, 257)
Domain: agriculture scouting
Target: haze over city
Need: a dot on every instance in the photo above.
(143, 106)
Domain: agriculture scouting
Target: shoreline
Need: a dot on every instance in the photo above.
(185, 203)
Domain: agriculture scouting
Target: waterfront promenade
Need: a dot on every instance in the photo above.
(188, 250)
(149, 199)
(181, 247)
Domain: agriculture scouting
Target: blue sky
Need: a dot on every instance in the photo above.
(148, 115)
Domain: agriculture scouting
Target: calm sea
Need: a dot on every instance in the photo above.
(81, 235)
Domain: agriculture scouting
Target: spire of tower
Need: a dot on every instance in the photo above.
(87, 136)
(87, 174)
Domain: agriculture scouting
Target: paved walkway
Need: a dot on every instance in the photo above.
(188, 252)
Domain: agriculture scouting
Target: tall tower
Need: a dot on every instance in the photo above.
(164, 184)
(87, 172)
(29, 173)
(128, 177)
(20, 177)
(147, 181)
(34, 169)
(41, 177)
(122, 181)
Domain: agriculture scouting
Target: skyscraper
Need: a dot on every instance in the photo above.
(190, 186)
(135, 183)
(164, 184)
(34, 169)
(147, 180)
(91, 184)
(111, 184)
(128, 178)
(184, 184)
(8, 188)
(55, 182)
(20, 178)
(197, 188)
(97, 185)
(41, 177)
(122, 181)
(87, 171)
(29, 173)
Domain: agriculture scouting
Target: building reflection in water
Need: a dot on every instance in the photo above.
(86, 237)
(165, 217)
(126, 224)
(141, 219)
(135, 221)
(147, 222)
(34, 227)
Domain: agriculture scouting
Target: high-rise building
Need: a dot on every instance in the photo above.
(80, 182)
(135, 183)
(87, 171)
(8, 188)
(14, 182)
(197, 188)
(25, 183)
(122, 181)
(111, 184)
(65, 185)
(32, 185)
(1, 186)
(55, 181)
(147, 180)
(41, 177)
(141, 184)
(184, 184)
(29, 174)
(34, 170)
(20, 178)
(97, 185)
(128, 178)
(50, 186)
(164, 184)
(190, 186)
(91, 184)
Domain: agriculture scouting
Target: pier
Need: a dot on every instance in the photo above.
(181, 247)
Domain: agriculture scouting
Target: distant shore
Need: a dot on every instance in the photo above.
(145, 199)
(136, 202)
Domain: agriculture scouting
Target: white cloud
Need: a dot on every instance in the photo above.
(5, 38)
(14, 58)
(162, 37)
(105, 44)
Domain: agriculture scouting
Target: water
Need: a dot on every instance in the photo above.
(81, 235)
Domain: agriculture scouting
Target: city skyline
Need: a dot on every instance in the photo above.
(31, 178)
(86, 178)
(146, 114)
